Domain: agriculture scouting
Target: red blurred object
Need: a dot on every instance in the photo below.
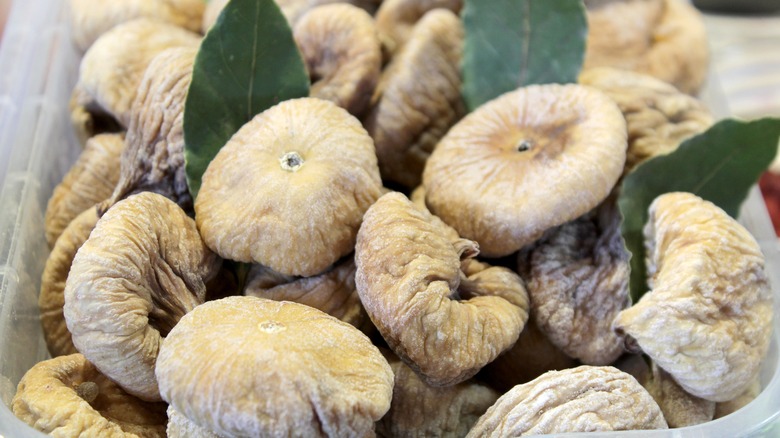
(770, 188)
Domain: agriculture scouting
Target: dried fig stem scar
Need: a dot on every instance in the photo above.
(291, 161)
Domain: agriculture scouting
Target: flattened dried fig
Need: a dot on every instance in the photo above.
(245, 366)
(67, 397)
(707, 318)
(420, 410)
(90, 180)
(662, 38)
(112, 68)
(578, 284)
(582, 399)
(442, 313)
(52, 297)
(395, 19)
(332, 292)
(521, 161)
(143, 267)
(658, 117)
(531, 356)
(289, 190)
(680, 409)
(92, 18)
(417, 98)
(154, 157)
(342, 53)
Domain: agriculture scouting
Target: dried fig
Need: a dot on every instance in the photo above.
(707, 319)
(332, 292)
(154, 157)
(532, 355)
(289, 190)
(246, 366)
(67, 397)
(582, 399)
(112, 68)
(92, 18)
(680, 409)
(395, 19)
(52, 297)
(143, 267)
(342, 53)
(578, 284)
(658, 117)
(419, 410)
(90, 180)
(417, 98)
(662, 38)
(521, 171)
(444, 314)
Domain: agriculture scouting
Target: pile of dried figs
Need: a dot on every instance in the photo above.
(376, 259)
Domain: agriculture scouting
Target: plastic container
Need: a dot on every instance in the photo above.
(38, 68)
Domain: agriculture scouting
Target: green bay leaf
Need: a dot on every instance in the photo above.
(719, 165)
(513, 43)
(247, 63)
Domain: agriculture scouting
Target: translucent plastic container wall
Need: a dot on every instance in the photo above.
(38, 67)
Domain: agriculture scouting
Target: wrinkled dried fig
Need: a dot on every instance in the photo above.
(658, 117)
(521, 161)
(342, 53)
(143, 267)
(52, 297)
(246, 366)
(395, 19)
(289, 190)
(92, 18)
(154, 157)
(332, 292)
(111, 70)
(418, 98)
(680, 409)
(707, 318)
(443, 313)
(90, 180)
(662, 38)
(532, 355)
(578, 284)
(67, 397)
(420, 410)
(582, 399)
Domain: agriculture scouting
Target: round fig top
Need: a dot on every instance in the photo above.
(246, 366)
(524, 162)
(289, 190)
